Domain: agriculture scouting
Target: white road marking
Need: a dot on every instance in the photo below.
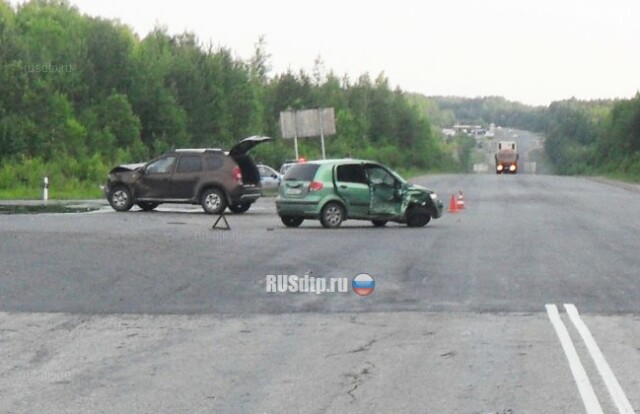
(615, 390)
(589, 398)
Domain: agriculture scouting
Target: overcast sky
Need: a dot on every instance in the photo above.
(532, 51)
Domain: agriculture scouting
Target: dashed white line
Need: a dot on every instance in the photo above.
(589, 398)
(615, 390)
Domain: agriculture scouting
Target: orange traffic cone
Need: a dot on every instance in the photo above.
(460, 202)
(453, 205)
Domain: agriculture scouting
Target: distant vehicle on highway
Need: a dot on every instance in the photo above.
(336, 190)
(269, 178)
(506, 158)
(210, 177)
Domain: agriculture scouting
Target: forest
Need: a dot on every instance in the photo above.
(595, 137)
(80, 94)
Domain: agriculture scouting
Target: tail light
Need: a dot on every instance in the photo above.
(237, 174)
(315, 186)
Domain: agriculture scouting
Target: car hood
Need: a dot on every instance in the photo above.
(127, 167)
(415, 188)
(246, 144)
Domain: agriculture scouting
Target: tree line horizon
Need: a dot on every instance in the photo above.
(114, 98)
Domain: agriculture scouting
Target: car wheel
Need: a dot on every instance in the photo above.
(292, 221)
(120, 198)
(213, 201)
(147, 205)
(239, 208)
(332, 215)
(379, 223)
(418, 216)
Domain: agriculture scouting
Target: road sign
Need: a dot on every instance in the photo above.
(319, 122)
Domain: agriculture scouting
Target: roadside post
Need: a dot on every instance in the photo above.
(45, 189)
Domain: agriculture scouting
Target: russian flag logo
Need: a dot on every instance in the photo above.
(363, 284)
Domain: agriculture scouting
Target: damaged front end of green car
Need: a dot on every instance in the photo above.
(420, 204)
(337, 190)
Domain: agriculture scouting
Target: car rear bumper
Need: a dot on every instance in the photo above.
(245, 194)
(299, 208)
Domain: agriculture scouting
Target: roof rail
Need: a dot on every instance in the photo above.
(197, 149)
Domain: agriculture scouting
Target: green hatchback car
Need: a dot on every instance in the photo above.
(336, 190)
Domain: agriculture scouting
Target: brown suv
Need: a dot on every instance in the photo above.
(210, 177)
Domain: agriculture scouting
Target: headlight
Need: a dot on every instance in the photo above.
(433, 196)
(512, 167)
(500, 167)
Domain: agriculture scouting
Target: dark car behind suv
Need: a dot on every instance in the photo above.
(210, 177)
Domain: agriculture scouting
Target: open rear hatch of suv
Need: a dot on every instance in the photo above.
(248, 168)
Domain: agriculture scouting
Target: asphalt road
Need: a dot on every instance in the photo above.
(156, 312)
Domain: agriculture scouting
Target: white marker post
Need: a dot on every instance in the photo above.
(45, 190)
(320, 124)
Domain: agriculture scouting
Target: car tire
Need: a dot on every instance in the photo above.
(147, 205)
(239, 208)
(120, 198)
(213, 201)
(332, 215)
(290, 221)
(418, 216)
(379, 223)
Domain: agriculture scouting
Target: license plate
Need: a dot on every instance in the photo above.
(294, 191)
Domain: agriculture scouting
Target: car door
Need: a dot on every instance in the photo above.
(385, 199)
(155, 182)
(269, 178)
(186, 177)
(353, 186)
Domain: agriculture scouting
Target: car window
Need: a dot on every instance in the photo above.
(266, 171)
(161, 166)
(301, 172)
(378, 175)
(285, 168)
(189, 164)
(213, 162)
(351, 173)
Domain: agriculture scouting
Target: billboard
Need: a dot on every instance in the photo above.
(308, 123)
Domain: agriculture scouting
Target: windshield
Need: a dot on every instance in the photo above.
(161, 166)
